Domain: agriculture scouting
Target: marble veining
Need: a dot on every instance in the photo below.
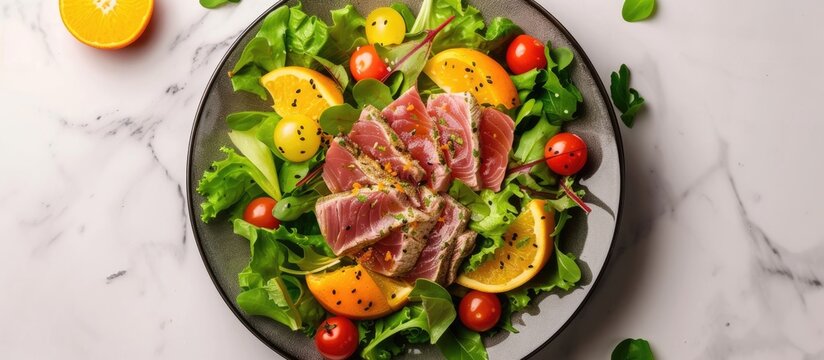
(720, 254)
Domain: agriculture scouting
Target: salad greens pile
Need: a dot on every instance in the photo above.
(273, 282)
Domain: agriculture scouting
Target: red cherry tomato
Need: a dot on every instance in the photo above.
(479, 311)
(259, 213)
(525, 53)
(566, 154)
(367, 64)
(337, 338)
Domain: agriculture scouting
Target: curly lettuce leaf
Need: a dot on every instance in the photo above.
(264, 53)
(348, 31)
(226, 183)
(491, 215)
(466, 30)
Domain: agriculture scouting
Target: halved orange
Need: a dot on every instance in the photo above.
(468, 70)
(301, 91)
(106, 24)
(527, 247)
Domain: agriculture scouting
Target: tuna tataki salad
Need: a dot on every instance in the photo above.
(412, 182)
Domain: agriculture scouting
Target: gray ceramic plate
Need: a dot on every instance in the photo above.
(589, 238)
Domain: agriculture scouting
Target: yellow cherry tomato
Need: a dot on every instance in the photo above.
(297, 137)
(385, 26)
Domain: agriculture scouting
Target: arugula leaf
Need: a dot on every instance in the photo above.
(491, 215)
(637, 10)
(226, 183)
(347, 32)
(428, 320)
(462, 343)
(551, 87)
(632, 349)
(211, 4)
(246, 120)
(626, 99)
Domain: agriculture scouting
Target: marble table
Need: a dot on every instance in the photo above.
(720, 256)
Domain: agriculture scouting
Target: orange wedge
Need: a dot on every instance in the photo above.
(468, 70)
(301, 91)
(106, 24)
(357, 293)
(527, 247)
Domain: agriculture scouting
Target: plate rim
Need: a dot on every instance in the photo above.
(582, 56)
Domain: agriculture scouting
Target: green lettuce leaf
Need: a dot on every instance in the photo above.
(258, 154)
(347, 32)
(306, 36)
(226, 183)
(264, 53)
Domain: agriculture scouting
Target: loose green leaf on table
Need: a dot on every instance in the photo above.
(212, 4)
(633, 349)
(626, 99)
(637, 10)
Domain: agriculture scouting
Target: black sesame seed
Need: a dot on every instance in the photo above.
(393, 295)
(353, 290)
(281, 149)
(297, 91)
(473, 63)
(514, 236)
(369, 304)
(543, 217)
(468, 70)
(312, 81)
(404, 251)
(489, 202)
(359, 301)
(334, 292)
(374, 23)
(320, 96)
(296, 175)
(489, 81)
(302, 138)
(301, 127)
(535, 245)
(302, 152)
(508, 257)
(338, 303)
(556, 152)
(318, 132)
(295, 103)
(288, 205)
(385, 22)
(481, 84)
(299, 132)
(476, 89)
(348, 227)
(530, 266)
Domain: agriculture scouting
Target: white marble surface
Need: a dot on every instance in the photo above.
(721, 253)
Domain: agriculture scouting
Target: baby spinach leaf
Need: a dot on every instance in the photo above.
(632, 349)
(246, 120)
(437, 304)
(626, 99)
(338, 119)
(637, 10)
(372, 92)
(406, 14)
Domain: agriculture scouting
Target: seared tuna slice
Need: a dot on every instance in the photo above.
(352, 220)
(397, 253)
(457, 117)
(342, 168)
(347, 168)
(435, 258)
(497, 133)
(463, 247)
(375, 138)
(407, 116)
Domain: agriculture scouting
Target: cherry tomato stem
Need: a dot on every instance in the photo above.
(336, 338)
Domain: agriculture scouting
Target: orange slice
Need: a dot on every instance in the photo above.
(527, 247)
(357, 293)
(300, 91)
(467, 70)
(106, 24)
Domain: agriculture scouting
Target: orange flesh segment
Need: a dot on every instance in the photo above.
(106, 24)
